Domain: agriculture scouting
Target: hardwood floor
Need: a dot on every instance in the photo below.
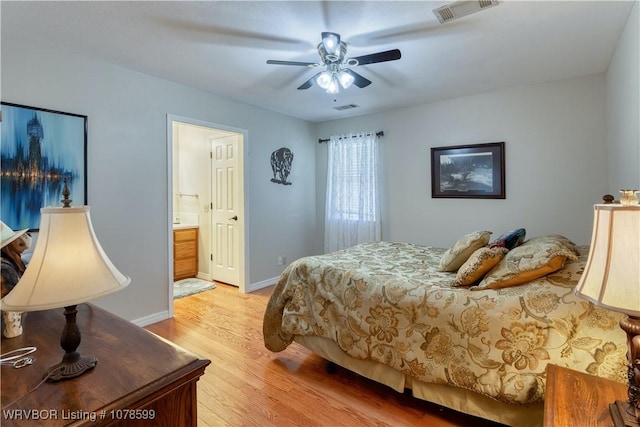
(248, 385)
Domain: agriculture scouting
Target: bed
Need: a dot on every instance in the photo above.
(387, 311)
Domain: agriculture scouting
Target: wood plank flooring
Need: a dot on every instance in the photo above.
(248, 385)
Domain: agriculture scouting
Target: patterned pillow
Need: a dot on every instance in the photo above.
(456, 256)
(509, 240)
(554, 239)
(478, 264)
(533, 259)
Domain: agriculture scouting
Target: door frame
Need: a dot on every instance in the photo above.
(244, 251)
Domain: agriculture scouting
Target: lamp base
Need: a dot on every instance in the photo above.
(623, 414)
(73, 364)
(67, 369)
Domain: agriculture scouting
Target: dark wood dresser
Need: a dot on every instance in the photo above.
(140, 379)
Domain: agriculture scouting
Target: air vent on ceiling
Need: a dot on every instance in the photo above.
(462, 8)
(346, 107)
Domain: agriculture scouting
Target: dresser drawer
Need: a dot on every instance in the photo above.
(185, 250)
(185, 268)
(187, 234)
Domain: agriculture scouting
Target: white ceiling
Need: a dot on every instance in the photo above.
(223, 47)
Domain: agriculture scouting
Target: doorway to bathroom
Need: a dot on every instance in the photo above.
(206, 186)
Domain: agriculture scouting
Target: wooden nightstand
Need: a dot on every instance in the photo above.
(576, 399)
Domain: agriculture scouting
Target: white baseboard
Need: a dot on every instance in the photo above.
(163, 315)
(152, 318)
(203, 276)
(263, 284)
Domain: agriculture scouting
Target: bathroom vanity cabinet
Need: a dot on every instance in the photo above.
(185, 253)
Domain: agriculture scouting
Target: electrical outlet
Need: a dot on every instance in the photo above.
(282, 260)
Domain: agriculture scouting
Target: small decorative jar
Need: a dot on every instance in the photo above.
(629, 197)
(12, 324)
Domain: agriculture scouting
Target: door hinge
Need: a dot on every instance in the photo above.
(211, 257)
(211, 204)
(211, 154)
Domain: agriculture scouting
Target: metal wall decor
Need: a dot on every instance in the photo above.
(281, 160)
(40, 148)
(468, 171)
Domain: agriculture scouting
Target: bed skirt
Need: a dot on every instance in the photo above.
(455, 398)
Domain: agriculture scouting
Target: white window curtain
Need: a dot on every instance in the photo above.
(352, 214)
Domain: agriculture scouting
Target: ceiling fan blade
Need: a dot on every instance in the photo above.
(389, 55)
(303, 64)
(359, 80)
(308, 83)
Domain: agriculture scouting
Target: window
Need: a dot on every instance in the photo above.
(352, 212)
(356, 193)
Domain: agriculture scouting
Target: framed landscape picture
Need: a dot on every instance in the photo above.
(468, 171)
(40, 148)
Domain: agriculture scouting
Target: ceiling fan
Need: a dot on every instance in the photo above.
(338, 72)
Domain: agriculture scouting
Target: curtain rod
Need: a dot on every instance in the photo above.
(378, 134)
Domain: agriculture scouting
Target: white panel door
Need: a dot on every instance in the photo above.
(226, 209)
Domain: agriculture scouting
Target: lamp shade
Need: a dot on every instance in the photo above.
(68, 265)
(346, 79)
(331, 43)
(324, 79)
(611, 277)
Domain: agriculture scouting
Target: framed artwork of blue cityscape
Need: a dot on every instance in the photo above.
(40, 148)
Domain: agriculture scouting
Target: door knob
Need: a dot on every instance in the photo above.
(235, 217)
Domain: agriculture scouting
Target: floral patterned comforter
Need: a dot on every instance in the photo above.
(389, 303)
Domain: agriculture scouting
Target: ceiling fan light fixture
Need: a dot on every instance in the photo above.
(338, 68)
(331, 43)
(334, 86)
(324, 79)
(346, 79)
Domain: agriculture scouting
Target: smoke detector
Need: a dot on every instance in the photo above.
(462, 8)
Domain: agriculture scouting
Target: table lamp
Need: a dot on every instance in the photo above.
(611, 279)
(68, 267)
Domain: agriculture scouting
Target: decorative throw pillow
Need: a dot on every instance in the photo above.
(532, 260)
(454, 257)
(509, 240)
(478, 264)
(554, 239)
